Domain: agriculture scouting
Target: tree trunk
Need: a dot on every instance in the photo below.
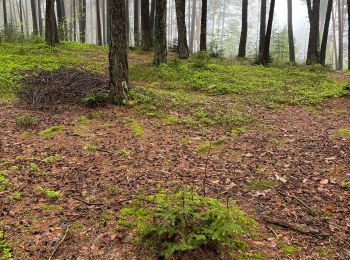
(118, 51)
(340, 35)
(348, 5)
(51, 34)
(325, 33)
(262, 26)
(104, 29)
(21, 15)
(34, 17)
(180, 6)
(145, 26)
(314, 19)
(136, 23)
(160, 43)
(266, 51)
(4, 12)
(244, 31)
(334, 41)
(152, 16)
(203, 37)
(98, 23)
(40, 16)
(193, 24)
(82, 20)
(127, 15)
(291, 32)
(61, 17)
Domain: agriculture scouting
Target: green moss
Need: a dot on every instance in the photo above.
(51, 131)
(5, 247)
(288, 249)
(261, 184)
(136, 127)
(51, 159)
(345, 185)
(4, 181)
(344, 133)
(49, 193)
(15, 196)
(204, 148)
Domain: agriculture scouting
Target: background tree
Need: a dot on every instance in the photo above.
(266, 49)
(348, 7)
(34, 17)
(21, 15)
(4, 10)
(40, 16)
(160, 42)
(193, 24)
(82, 20)
(203, 36)
(145, 24)
(61, 17)
(325, 33)
(181, 26)
(136, 23)
(290, 32)
(244, 31)
(314, 19)
(118, 51)
(262, 26)
(51, 33)
(98, 23)
(340, 33)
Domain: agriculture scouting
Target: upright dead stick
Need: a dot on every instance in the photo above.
(205, 169)
(59, 244)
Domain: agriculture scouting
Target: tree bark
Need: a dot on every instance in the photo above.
(127, 22)
(160, 43)
(180, 6)
(266, 51)
(98, 23)
(145, 26)
(152, 17)
(262, 26)
(5, 13)
(40, 16)
(118, 52)
(325, 33)
(314, 19)
(244, 31)
(21, 15)
(34, 17)
(51, 34)
(61, 17)
(291, 32)
(203, 36)
(82, 20)
(334, 41)
(136, 23)
(348, 5)
(193, 25)
(340, 35)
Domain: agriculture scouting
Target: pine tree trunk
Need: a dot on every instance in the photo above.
(193, 25)
(118, 51)
(262, 27)
(104, 29)
(203, 37)
(291, 32)
(136, 23)
(180, 6)
(34, 18)
(61, 17)
(127, 3)
(334, 41)
(82, 20)
(21, 15)
(244, 31)
(5, 13)
(348, 5)
(51, 34)
(40, 16)
(160, 43)
(314, 18)
(325, 33)
(145, 26)
(340, 35)
(266, 51)
(98, 24)
(152, 17)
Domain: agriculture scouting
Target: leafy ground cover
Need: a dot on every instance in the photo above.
(66, 174)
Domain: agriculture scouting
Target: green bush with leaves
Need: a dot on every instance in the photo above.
(171, 223)
(5, 248)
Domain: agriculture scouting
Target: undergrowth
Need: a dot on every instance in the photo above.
(171, 223)
(5, 247)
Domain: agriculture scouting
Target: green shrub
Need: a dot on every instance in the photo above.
(200, 60)
(48, 193)
(5, 248)
(96, 98)
(51, 131)
(171, 223)
(26, 120)
(4, 181)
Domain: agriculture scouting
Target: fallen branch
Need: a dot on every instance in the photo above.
(59, 244)
(303, 229)
(88, 203)
(312, 210)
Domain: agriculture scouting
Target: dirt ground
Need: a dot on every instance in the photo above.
(101, 164)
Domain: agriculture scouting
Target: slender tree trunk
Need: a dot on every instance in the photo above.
(82, 20)
(34, 17)
(314, 18)
(266, 51)
(152, 17)
(145, 26)
(136, 23)
(325, 33)
(98, 23)
(104, 29)
(340, 35)
(291, 32)
(4, 10)
(348, 6)
(127, 15)
(74, 19)
(203, 37)
(244, 31)
(40, 16)
(193, 25)
(160, 43)
(25, 17)
(21, 15)
(180, 6)
(51, 34)
(118, 51)
(61, 17)
(262, 26)
(334, 41)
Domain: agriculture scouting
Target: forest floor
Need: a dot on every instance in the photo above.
(284, 154)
